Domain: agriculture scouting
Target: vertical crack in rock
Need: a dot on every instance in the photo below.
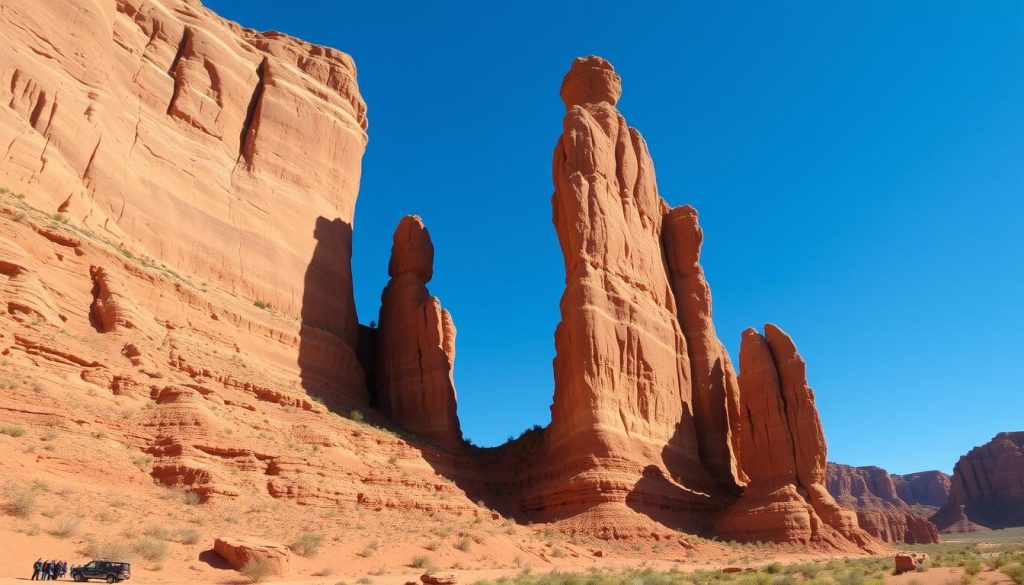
(251, 126)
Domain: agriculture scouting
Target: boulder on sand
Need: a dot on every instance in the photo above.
(237, 552)
(910, 562)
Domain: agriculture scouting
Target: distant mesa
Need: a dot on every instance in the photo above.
(987, 488)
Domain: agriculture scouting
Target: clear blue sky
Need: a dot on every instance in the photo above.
(858, 168)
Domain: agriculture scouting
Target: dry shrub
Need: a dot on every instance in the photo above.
(256, 570)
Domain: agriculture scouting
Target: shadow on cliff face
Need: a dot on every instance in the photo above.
(688, 499)
(329, 332)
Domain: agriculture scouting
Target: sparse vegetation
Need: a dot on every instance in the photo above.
(370, 549)
(66, 527)
(187, 536)
(151, 549)
(422, 562)
(308, 543)
(261, 305)
(256, 570)
(113, 549)
(464, 543)
(12, 431)
(142, 462)
(20, 501)
(357, 415)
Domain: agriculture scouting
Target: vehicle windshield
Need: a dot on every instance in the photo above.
(91, 565)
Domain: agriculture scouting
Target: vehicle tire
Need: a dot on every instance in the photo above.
(77, 577)
(111, 579)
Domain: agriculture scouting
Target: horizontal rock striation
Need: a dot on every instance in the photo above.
(196, 144)
(874, 494)
(415, 343)
(987, 488)
(783, 453)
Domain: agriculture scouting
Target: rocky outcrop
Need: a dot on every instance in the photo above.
(623, 407)
(987, 488)
(415, 342)
(237, 552)
(928, 490)
(715, 390)
(782, 451)
(196, 144)
(874, 494)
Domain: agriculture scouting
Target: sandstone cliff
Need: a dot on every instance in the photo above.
(783, 453)
(177, 201)
(987, 489)
(173, 135)
(416, 343)
(881, 510)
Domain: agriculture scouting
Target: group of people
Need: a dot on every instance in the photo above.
(49, 570)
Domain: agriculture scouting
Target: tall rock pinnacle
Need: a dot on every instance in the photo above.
(715, 390)
(622, 406)
(783, 453)
(416, 342)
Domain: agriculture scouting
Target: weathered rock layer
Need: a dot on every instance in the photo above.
(783, 453)
(875, 495)
(415, 344)
(987, 489)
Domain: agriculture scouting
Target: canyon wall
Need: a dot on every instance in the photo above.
(878, 498)
(177, 199)
(987, 488)
(175, 136)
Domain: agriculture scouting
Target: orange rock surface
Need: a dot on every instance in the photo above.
(416, 343)
(622, 425)
(179, 327)
(987, 488)
(783, 453)
(172, 134)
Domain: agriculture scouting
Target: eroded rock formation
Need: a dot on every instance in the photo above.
(622, 417)
(715, 390)
(415, 342)
(874, 494)
(198, 145)
(783, 453)
(987, 488)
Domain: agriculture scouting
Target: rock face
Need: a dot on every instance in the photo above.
(875, 495)
(783, 453)
(415, 344)
(237, 552)
(987, 489)
(648, 416)
(622, 423)
(160, 128)
(715, 390)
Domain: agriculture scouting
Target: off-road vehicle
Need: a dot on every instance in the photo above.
(109, 571)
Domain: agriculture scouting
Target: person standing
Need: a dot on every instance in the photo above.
(36, 568)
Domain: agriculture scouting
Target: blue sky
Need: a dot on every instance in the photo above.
(858, 168)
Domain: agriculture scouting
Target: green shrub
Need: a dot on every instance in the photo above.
(357, 415)
(1015, 573)
(308, 543)
(261, 304)
(972, 567)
